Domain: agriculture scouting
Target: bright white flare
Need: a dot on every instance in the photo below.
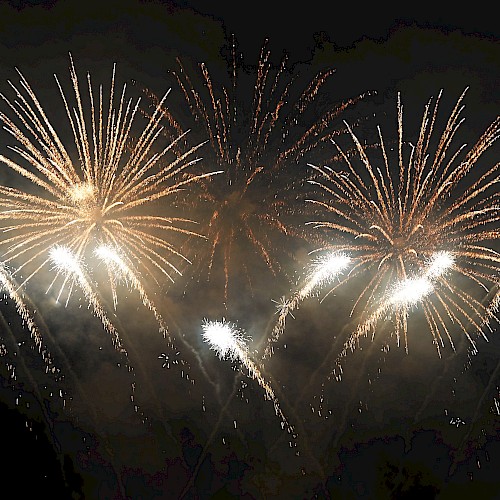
(65, 260)
(224, 338)
(410, 291)
(324, 270)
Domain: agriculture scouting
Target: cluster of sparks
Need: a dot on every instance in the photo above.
(421, 235)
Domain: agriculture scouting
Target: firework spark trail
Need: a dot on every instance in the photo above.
(253, 142)
(229, 342)
(107, 196)
(66, 262)
(118, 267)
(323, 271)
(10, 288)
(392, 221)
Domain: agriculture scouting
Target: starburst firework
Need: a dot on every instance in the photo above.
(393, 220)
(10, 288)
(253, 141)
(108, 195)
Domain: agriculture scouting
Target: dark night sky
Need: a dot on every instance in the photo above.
(402, 425)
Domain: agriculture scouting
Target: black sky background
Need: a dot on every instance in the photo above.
(402, 426)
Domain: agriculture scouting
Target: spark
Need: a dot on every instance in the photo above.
(108, 194)
(253, 143)
(229, 342)
(225, 339)
(283, 306)
(433, 203)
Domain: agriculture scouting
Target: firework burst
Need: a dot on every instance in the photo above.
(395, 220)
(253, 141)
(109, 196)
